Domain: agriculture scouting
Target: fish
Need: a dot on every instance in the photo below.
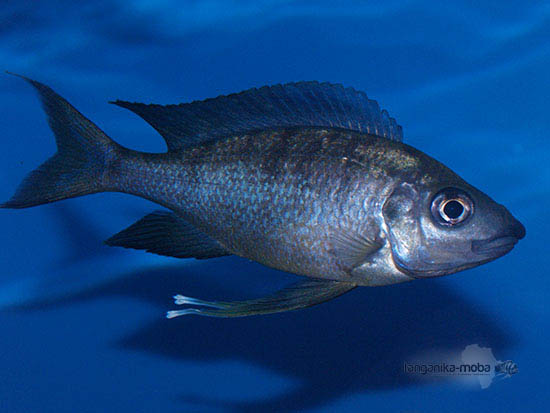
(308, 178)
(506, 368)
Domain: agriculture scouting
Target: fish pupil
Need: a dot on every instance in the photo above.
(453, 209)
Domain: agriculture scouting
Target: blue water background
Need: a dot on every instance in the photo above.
(83, 326)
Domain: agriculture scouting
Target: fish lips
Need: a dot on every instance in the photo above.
(501, 244)
(494, 247)
(482, 251)
(430, 269)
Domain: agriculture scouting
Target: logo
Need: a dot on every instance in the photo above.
(474, 364)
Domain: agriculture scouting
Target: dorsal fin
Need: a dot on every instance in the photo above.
(291, 104)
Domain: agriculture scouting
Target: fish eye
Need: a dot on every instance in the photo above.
(451, 206)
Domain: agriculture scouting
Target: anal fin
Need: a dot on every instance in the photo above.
(303, 294)
(165, 233)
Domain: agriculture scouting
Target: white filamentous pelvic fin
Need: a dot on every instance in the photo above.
(182, 300)
(177, 313)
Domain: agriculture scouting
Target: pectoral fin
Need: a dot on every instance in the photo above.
(352, 249)
(300, 295)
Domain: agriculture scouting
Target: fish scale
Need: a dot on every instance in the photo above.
(220, 200)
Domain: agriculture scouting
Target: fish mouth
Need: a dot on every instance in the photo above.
(501, 244)
(483, 251)
(494, 247)
(441, 270)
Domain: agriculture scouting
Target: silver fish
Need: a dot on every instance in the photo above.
(310, 178)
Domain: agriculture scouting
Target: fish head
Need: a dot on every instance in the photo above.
(443, 225)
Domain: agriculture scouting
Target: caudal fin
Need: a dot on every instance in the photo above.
(79, 166)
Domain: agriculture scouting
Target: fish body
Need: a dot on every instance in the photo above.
(307, 178)
(301, 189)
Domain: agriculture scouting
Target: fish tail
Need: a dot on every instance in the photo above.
(80, 165)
